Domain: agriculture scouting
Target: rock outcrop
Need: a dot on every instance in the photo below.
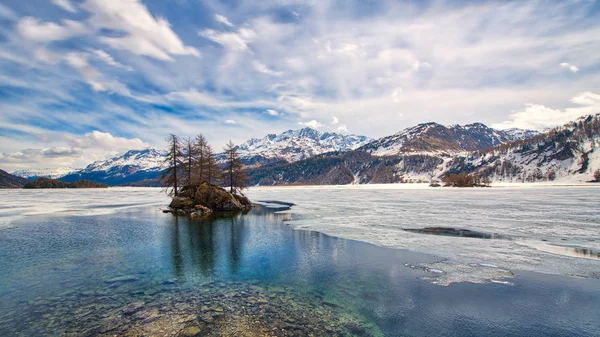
(204, 199)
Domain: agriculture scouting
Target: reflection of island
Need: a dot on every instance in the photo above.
(53, 183)
(208, 246)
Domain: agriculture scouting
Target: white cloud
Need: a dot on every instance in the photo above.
(6, 13)
(70, 150)
(66, 5)
(312, 124)
(236, 41)
(570, 67)
(262, 68)
(194, 97)
(45, 55)
(230, 121)
(222, 19)
(587, 98)
(104, 140)
(144, 34)
(337, 126)
(342, 128)
(34, 29)
(420, 65)
(272, 112)
(396, 94)
(93, 77)
(540, 117)
(108, 59)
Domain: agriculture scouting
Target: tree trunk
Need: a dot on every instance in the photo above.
(175, 168)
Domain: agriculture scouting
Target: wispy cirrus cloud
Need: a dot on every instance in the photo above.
(66, 5)
(222, 19)
(34, 29)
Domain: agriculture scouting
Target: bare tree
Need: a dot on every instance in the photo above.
(234, 175)
(211, 167)
(189, 154)
(200, 164)
(169, 176)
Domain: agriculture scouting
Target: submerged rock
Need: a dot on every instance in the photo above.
(191, 332)
(204, 199)
(125, 278)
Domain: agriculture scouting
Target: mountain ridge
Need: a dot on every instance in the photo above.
(430, 144)
(143, 167)
(432, 137)
(570, 152)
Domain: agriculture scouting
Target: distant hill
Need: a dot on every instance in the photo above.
(8, 180)
(53, 183)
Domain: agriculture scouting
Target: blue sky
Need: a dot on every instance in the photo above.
(81, 80)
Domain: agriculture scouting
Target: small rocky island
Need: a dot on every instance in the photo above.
(194, 165)
(204, 199)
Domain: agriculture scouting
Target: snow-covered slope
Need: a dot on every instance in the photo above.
(567, 153)
(570, 153)
(52, 173)
(294, 145)
(136, 160)
(131, 167)
(519, 134)
(434, 138)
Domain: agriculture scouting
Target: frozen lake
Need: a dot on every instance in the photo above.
(552, 230)
(109, 262)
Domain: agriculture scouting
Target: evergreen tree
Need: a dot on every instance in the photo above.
(170, 175)
(234, 175)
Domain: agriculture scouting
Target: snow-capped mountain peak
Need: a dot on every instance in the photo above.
(150, 159)
(437, 138)
(294, 145)
(52, 173)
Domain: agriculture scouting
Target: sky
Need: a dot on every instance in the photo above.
(83, 80)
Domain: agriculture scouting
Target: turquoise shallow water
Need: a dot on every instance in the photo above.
(141, 272)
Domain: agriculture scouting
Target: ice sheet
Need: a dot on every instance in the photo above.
(535, 224)
(16, 204)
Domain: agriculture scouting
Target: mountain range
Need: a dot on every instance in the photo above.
(431, 151)
(143, 167)
(416, 154)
